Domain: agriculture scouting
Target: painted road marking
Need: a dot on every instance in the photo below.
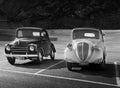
(74, 79)
(62, 78)
(117, 74)
(49, 67)
(3, 61)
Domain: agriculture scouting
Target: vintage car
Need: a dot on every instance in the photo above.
(30, 43)
(87, 47)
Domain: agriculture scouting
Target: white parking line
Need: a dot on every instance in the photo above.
(62, 78)
(117, 74)
(3, 61)
(74, 79)
(48, 67)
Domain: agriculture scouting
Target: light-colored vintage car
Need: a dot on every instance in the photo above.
(87, 46)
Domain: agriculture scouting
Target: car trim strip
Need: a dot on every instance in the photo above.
(17, 55)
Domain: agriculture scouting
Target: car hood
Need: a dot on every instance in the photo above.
(23, 41)
(84, 47)
(89, 41)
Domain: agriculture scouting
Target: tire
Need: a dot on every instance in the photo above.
(104, 60)
(11, 60)
(52, 52)
(69, 66)
(102, 64)
(52, 55)
(40, 57)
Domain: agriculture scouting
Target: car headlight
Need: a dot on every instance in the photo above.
(8, 48)
(31, 48)
(96, 47)
(70, 47)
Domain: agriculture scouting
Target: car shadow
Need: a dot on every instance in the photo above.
(32, 64)
(107, 71)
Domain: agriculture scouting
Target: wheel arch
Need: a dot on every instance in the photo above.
(53, 47)
(41, 50)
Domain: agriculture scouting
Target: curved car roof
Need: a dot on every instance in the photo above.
(86, 29)
(36, 28)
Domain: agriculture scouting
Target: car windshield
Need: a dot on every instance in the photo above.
(28, 33)
(92, 34)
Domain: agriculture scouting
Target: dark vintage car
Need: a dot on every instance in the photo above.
(30, 43)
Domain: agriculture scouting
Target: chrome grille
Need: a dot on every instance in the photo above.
(85, 50)
(18, 49)
(82, 50)
(79, 50)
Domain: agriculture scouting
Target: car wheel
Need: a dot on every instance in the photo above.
(40, 57)
(52, 54)
(104, 59)
(102, 64)
(69, 66)
(11, 60)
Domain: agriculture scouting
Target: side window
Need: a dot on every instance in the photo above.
(44, 35)
(20, 34)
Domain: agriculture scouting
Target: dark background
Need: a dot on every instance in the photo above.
(60, 13)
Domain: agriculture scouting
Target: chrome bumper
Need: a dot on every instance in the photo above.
(18, 55)
(97, 61)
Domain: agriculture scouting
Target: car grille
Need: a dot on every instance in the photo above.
(82, 50)
(19, 50)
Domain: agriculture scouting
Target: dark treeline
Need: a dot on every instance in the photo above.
(52, 10)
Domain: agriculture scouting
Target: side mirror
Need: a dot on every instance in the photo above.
(103, 34)
(69, 45)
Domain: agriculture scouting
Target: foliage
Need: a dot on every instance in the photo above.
(35, 10)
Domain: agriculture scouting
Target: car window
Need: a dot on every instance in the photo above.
(28, 33)
(20, 34)
(92, 34)
(44, 35)
(37, 34)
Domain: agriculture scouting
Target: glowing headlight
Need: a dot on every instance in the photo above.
(32, 48)
(8, 48)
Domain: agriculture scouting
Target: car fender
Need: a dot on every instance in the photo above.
(70, 56)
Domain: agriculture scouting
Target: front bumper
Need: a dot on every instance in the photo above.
(19, 55)
(95, 61)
